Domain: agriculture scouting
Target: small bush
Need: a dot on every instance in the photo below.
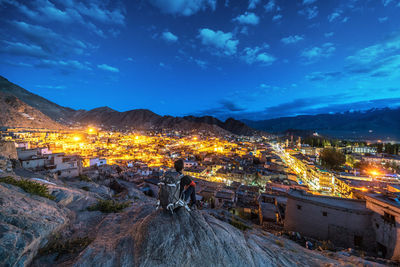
(62, 247)
(326, 245)
(30, 187)
(239, 225)
(279, 243)
(84, 178)
(108, 206)
(85, 188)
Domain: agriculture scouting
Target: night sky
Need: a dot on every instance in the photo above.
(252, 59)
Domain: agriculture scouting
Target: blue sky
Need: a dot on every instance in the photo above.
(248, 59)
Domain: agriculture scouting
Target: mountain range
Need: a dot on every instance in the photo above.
(22, 108)
(367, 125)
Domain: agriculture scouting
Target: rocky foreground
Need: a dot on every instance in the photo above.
(37, 231)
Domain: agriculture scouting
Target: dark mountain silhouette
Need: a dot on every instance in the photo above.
(52, 110)
(374, 123)
(15, 113)
(141, 119)
(231, 125)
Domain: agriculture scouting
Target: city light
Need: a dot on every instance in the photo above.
(374, 172)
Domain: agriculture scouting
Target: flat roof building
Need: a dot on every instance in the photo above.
(345, 222)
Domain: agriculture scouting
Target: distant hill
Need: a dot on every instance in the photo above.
(141, 119)
(231, 125)
(15, 113)
(370, 124)
(52, 110)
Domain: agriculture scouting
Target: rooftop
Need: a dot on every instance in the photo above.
(334, 202)
(392, 199)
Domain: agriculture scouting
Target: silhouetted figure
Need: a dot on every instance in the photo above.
(188, 186)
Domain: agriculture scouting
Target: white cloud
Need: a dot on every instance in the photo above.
(65, 65)
(253, 4)
(270, 6)
(222, 41)
(386, 2)
(248, 18)
(73, 12)
(265, 58)
(253, 55)
(183, 7)
(316, 53)
(383, 19)
(292, 39)
(372, 53)
(308, 2)
(22, 49)
(202, 64)
(169, 37)
(108, 68)
(100, 14)
(277, 17)
(54, 43)
(329, 34)
(309, 12)
(57, 87)
(335, 15)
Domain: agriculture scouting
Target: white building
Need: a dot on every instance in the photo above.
(97, 162)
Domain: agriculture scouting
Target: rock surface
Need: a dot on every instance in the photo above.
(144, 237)
(137, 236)
(25, 222)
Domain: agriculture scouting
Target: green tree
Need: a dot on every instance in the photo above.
(350, 160)
(332, 159)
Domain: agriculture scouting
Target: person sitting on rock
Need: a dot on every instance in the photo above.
(188, 186)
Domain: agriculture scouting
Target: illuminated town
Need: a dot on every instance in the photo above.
(199, 133)
(259, 178)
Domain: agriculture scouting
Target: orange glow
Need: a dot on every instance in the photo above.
(363, 189)
(374, 172)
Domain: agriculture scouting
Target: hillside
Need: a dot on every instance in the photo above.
(52, 110)
(15, 113)
(140, 119)
(38, 231)
(374, 123)
(230, 125)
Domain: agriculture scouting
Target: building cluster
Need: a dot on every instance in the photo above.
(42, 159)
(274, 185)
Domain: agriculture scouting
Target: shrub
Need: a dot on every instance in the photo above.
(84, 178)
(109, 206)
(279, 243)
(239, 225)
(61, 247)
(30, 187)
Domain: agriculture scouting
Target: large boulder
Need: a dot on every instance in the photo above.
(142, 236)
(26, 221)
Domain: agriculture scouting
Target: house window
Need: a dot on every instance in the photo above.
(358, 240)
(324, 213)
(299, 207)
